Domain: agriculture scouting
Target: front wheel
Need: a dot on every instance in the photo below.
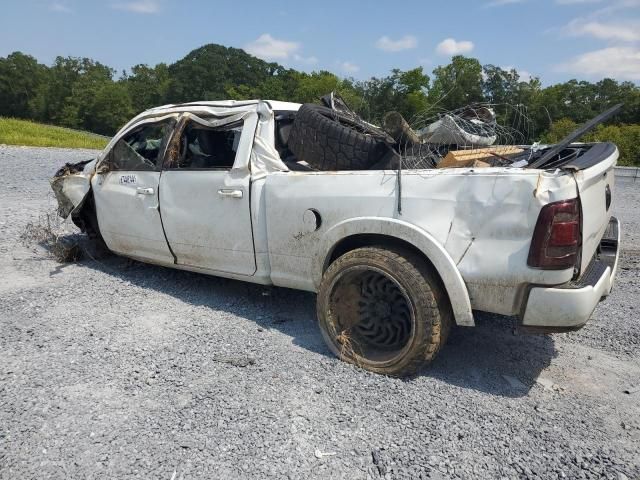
(384, 310)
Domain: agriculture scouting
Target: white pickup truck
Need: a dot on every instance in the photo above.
(203, 187)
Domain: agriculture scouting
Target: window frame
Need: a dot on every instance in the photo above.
(178, 131)
(169, 120)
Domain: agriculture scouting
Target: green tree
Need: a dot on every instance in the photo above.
(82, 93)
(312, 86)
(20, 78)
(499, 85)
(207, 72)
(68, 85)
(147, 86)
(78, 106)
(626, 138)
(110, 109)
(402, 91)
(559, 129)
(457, 84)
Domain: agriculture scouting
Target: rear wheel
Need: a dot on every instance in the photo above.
(383, 310)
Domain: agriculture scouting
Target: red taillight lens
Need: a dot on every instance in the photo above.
(556, 238)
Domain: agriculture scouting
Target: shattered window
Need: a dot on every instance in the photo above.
(142, 148)
(208, 148)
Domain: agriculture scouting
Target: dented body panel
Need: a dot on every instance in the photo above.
(262, 223)
(71, 185)
(455, 209)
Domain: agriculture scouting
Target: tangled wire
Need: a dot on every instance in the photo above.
(470, 128)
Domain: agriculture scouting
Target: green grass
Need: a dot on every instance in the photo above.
(27, 133)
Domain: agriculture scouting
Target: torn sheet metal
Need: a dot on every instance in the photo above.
(71, 184)
(265, 158)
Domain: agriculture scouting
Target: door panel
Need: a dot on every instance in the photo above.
(128, 215)
(207, 220)
(204, 201)
(126, 195)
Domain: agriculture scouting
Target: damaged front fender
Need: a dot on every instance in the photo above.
(71, 184)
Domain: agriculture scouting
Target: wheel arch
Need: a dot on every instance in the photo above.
(367, 231)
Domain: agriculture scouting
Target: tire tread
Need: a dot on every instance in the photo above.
(326, 144)
(433, 302)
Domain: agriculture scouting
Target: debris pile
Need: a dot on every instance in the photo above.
(331, 136)
(48, 232)
(468, 137)
(469, 126)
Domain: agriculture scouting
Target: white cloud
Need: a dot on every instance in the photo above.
(525, 75)
(502, 3)
(615, 6)
(59, 7)
(305, 60)
(389, 45)
(269, 48)
(450, 46)
(605, 31)
(621, 63)
(349, 67)
(139, 6)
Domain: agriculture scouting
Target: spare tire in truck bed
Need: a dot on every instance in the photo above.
(329, 140)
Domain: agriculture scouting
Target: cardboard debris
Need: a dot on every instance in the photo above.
(463, 164)
(475, 157)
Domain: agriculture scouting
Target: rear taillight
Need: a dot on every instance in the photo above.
(556, 238)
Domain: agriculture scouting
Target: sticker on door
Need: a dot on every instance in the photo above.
(128, 179)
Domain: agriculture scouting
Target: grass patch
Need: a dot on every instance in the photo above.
(31, 134)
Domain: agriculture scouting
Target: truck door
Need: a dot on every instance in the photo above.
(205, 202)
(126, 195)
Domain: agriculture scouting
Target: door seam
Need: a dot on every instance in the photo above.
(164, 233)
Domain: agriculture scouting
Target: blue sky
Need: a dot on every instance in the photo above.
(553, 39)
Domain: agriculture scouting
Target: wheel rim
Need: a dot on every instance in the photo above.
(370, 315)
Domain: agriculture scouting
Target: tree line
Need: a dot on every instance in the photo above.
(83, 93)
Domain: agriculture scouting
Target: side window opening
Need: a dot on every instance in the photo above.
(142, 148)
(208, 148)
(283, 124)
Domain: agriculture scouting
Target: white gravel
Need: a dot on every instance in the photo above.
(116, 369)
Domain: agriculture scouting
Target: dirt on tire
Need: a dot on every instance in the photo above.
(431, 311)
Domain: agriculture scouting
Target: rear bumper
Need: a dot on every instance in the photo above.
(568, 307)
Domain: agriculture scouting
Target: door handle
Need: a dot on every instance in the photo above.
(224, 192)
(144, 191)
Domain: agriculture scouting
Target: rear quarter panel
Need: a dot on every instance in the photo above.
(484, 219)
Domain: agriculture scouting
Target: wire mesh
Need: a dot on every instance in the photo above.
(474, 127)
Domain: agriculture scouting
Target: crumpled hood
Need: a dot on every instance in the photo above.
(71, 184)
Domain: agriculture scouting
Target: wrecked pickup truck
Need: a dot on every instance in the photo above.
(258, 191)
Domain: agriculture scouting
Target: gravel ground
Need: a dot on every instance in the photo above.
(116, 369)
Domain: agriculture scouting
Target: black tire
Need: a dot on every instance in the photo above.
(329, 140)
(87, 221)
(384, 310)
